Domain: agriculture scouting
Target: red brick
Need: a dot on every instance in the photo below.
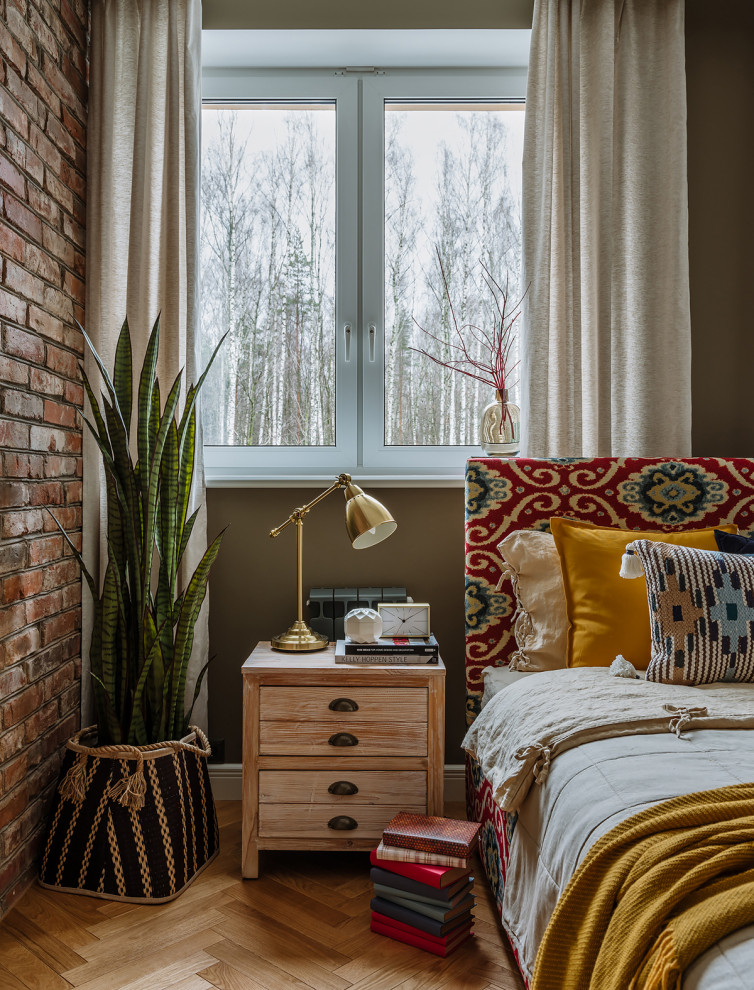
(60, 193)
(75, 231)
(12, 806)
(24, 345)
(49, 493)
(13, 495)
(12, 177)
(13, 371)
(61, 573)
(43, 34)
(46, 774)
(45, 205)
(39, 262)
(75, 393)
(45, 149)
(62, 139)
(13, 557)
(13, 434)
(11, 245)
(62, 86)
(25, 96)
(21, 30)
(60, 681)
(72, 337)
(22, 586)
(74, 180)
(12, 50)
(16, 648)
(45, 661)
(25, 158)
(62, 361)
(79, 264)
(24, 283)
(61, 415)
(20, 523)
(72, 595)
(48, 326)
(43, 606)
(60, 441)
(69, 517)
(58, 303)
(44, 550)
(60, 467)
(43, 90)
(58, 246)
(73, 492)
(59, 626)
(73, 23)
(12, 680)
(12, 308)
(11, 743)
(22, 218)
(12, 619)
(45, 382)
(22, 405)
(23, 465)
(74, 287)
(12, 113)
(74, 127)
(75, 78)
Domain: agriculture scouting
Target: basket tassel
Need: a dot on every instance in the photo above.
(129, 791)
(73, 785)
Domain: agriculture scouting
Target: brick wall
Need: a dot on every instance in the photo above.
(43, 97)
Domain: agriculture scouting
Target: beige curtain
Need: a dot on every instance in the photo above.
(606, 337)
(143, 227)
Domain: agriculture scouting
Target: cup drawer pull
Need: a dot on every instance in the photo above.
(343, 739)
(343, 823)
(343, 787)
(343, 705)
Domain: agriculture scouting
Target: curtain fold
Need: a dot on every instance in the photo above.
(606, 340)
(142, 241)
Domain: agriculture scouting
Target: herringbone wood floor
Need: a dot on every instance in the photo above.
(303, 925)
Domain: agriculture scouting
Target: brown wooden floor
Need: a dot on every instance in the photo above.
(303, 925)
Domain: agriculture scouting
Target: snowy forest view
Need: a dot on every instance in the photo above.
(452, 189)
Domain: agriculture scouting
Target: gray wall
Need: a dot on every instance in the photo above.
(253, 585)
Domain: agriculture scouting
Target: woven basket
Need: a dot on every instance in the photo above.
(131, 823)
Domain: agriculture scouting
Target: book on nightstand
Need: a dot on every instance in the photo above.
(380, 656)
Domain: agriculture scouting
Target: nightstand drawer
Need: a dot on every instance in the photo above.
(358, 821)
(335, 704)
(352, 737)
(339, 790)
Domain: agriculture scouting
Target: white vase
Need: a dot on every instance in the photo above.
(501, 427)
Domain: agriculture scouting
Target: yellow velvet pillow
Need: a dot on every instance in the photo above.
(607, 614)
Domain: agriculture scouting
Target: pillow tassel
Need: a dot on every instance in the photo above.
(630, 565)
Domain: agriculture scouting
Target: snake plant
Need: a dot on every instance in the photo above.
(143, 629)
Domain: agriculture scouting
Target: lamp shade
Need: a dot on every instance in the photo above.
(367, 520)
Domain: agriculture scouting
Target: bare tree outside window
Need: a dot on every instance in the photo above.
(452, 185)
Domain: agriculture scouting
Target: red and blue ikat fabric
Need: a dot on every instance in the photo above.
(632, 493)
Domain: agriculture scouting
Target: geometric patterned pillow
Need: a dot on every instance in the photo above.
(701, 608)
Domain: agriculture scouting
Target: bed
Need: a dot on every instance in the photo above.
(530, 854)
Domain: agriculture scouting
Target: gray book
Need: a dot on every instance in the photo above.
(384, 890)
(437, 912)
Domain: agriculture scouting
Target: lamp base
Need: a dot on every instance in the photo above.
(299, 639)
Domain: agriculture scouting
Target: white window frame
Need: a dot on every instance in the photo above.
(359, 293)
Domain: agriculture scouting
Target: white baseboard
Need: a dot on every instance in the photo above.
(226, 781)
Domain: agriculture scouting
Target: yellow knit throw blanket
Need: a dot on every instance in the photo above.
(653, 894)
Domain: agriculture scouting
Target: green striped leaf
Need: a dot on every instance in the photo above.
(96, 411)
(145, 400)
(123, 375)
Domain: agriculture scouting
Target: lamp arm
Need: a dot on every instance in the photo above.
(342, 481)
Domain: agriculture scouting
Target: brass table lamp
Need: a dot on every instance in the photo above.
(367, 522)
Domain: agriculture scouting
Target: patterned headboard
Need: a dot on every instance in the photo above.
(503, 495)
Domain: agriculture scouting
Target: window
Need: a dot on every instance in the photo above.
(332, 204)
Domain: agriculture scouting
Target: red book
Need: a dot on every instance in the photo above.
(439, 939)
(431, 834)
(413, 938)
(433, 876)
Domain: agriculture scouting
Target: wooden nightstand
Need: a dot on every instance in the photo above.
(331, 752)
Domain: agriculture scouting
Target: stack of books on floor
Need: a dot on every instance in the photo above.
(423, 887)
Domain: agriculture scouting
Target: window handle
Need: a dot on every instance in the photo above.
(347, 341)
(372, 338)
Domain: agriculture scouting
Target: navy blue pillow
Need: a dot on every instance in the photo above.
(733, 543)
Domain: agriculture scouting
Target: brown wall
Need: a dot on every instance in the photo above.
(720, 75)
(253, 583)
(253, 586)
(43, 94)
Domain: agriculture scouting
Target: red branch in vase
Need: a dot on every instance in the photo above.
(492, 366)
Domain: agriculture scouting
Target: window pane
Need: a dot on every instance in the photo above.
(268, 273)
(452, 205)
